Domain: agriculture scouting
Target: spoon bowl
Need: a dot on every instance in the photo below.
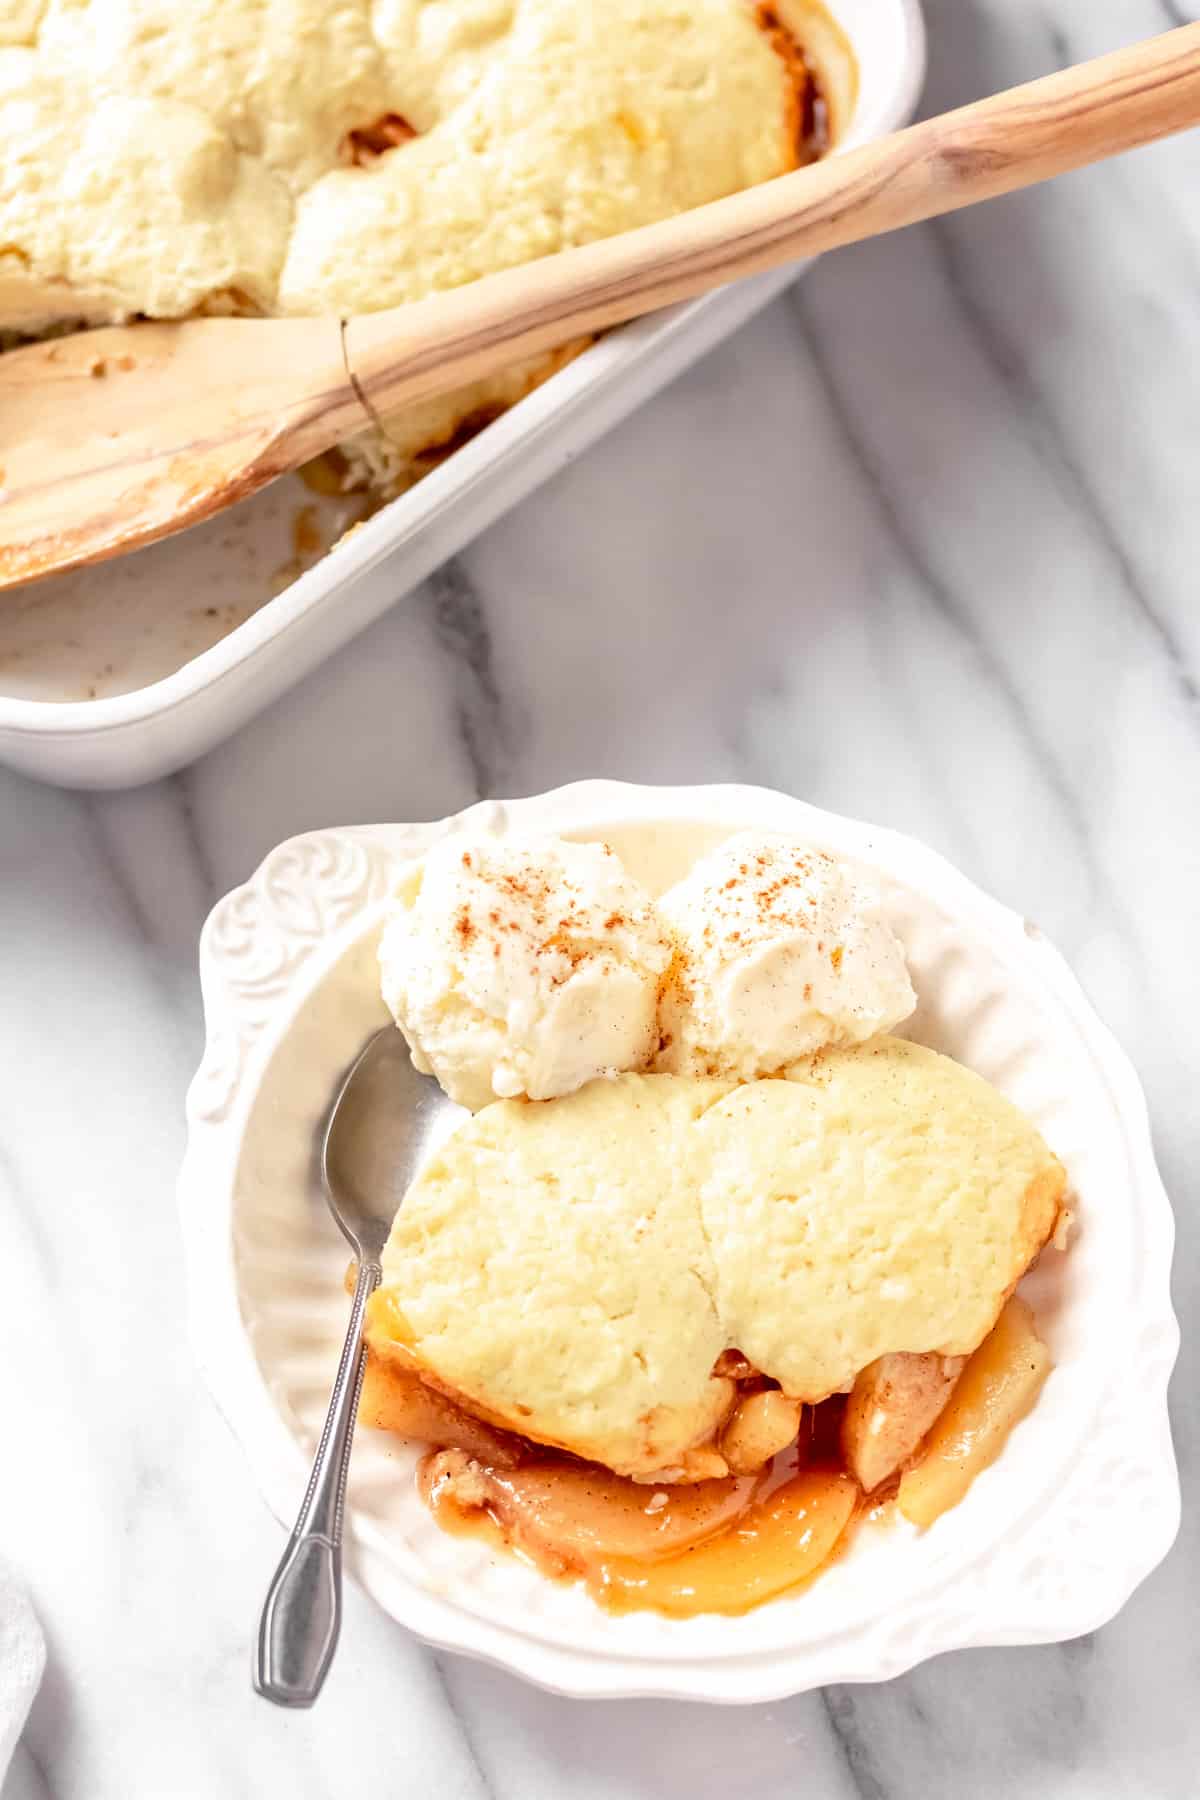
(384, 1121)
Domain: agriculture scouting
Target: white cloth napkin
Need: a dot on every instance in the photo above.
(22, 1659)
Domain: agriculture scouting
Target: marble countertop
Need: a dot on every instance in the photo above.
(919, 545)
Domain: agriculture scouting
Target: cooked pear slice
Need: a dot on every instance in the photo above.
(573, 1517)
(894, 1402)
(996, 1389)
(759, 1427)
(781, 1542)
(395, 1399)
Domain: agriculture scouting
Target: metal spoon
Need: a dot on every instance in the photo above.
(385, 1119)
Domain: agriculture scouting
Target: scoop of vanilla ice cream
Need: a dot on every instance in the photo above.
(780, 949)
(523, 969)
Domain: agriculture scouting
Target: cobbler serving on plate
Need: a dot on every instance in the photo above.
(718, 1263)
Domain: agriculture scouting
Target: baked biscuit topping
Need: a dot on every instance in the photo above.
(306, 157)
(576, 1268)
(161, 159)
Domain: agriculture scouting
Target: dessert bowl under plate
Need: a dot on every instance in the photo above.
(1048, 1543)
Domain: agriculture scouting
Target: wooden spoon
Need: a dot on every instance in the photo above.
(111, 438)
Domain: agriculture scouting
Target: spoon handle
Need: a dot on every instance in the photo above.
(298, 1631)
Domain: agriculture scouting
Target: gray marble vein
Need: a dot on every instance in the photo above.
(919, 544)
(855, 1744)
(1068, 474)
(986, 665)
(461, 630)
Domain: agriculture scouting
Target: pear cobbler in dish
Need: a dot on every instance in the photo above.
(296, 157)
(717, 1264)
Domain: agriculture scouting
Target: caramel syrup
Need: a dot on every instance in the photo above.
(783, 1530)
(721, 1546)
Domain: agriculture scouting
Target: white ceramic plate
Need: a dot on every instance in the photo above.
(118, 674)
(1049, 1542)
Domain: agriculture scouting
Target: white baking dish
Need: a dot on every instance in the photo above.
(118, 674)
(1050, 1542)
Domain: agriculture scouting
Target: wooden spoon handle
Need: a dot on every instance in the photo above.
(990, 147)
